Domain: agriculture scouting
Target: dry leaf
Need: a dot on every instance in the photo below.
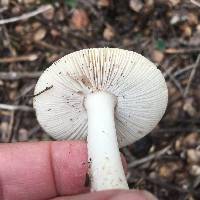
(104, 3)
(39, 34)
(191, 140)
(186, 30)
(174, 2)
(193, 156)
(195, 170)
(136, 5)
(79, 19)
(192, 19)
(157, 56)
(108, 33)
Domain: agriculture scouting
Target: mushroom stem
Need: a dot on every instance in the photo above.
(106, 170)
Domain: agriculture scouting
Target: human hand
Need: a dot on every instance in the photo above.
(51, 171)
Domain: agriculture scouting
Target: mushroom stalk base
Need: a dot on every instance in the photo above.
(106, 170)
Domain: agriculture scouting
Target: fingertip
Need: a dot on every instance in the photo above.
(69, 163)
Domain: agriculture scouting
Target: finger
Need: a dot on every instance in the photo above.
(42, 170)
(112, 195)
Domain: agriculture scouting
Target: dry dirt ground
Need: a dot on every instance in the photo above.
(167, 161)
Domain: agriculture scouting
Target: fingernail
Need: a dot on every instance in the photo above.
(149, 196)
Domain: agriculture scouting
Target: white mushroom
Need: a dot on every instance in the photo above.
(110, 96)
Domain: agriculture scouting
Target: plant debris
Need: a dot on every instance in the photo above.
(33, 34)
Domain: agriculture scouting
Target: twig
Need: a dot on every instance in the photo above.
(185, 69)
(182, 50)
(50, 46)
(10, 76)
(168, 71)
(197, 63)
(195, 2)
(13, 59)
(16, 107)
(149, 157)
(177, 84)
(39, 93)
(25, 16)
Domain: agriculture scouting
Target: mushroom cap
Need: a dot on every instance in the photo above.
(139, 86)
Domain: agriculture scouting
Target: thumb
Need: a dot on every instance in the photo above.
(112, 195)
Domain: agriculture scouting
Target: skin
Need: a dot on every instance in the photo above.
(51, 171)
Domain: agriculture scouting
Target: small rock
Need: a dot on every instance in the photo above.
(79, 19)
(157, 56)
(39, 34)
(193, 156)
(108, 33)
(49, 14)
(136, 5)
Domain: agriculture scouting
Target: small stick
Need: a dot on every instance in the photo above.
(197, 63)
(13, 59)
(11, 76)
(15, 107)
(149, 157)
(168, 71)
(25, 16)
(47, 88)
(197, 3)
(185, 69)
(182, 50)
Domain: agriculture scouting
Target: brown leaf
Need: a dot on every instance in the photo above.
(79, 19)
(39, 34)
(186, 30)
(108, 33)
(157, 56)
(174, 2)
(104, 3)
(136, 5)
(192, 19)
(193, 156)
